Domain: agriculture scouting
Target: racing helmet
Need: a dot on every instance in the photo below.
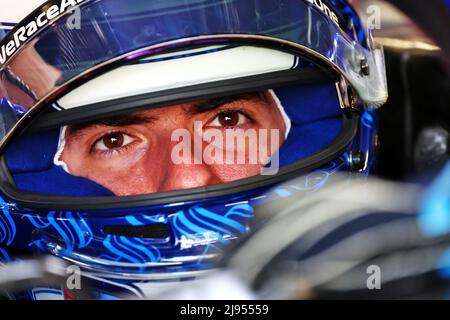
(139, 138)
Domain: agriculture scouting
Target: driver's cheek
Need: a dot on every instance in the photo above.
(137, 180)
(237, 161)
(125, 175)
(157, 172)
(233, 172)
(153, 172)
(245, 162)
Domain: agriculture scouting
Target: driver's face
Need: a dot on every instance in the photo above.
(131, 155)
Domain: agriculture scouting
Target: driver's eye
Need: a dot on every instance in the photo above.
(229, 119)
(113, 140)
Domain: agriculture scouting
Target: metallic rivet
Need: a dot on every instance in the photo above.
(356, 160)
(365, 69)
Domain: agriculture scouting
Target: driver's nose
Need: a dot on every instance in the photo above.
(187, 176)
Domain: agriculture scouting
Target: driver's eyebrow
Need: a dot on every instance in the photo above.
(119, 121)
(211, 104)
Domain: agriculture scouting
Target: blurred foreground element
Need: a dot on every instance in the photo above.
(413, 26)
(355, 239)
(328, 245)
(433, 17)
(414, 124)
(368, 239)
(22, 275)
(397, 29)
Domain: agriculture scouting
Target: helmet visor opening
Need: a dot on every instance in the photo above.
(167, 124)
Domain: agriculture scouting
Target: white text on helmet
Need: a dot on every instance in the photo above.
(325, 9)
(29, 28)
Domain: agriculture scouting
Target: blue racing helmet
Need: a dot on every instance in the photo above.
(115, 119)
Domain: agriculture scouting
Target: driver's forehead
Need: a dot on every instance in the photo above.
(204, 105)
